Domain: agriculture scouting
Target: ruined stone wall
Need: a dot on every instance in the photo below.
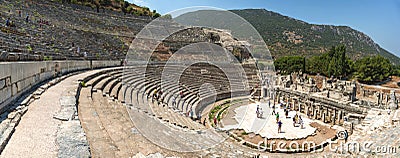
(18, 77)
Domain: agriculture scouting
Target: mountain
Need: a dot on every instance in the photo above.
(286, 36)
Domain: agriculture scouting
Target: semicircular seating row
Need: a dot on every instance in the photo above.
(136, 85)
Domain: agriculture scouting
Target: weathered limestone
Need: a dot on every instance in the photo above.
(393, 103)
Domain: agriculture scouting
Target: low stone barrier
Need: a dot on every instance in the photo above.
(18, 77)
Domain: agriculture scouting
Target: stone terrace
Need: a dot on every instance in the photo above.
(52, 33)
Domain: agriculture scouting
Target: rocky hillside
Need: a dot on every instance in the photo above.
(57, 31)
(115, 5)
(286, 36)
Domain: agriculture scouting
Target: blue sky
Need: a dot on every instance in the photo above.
(378, 19)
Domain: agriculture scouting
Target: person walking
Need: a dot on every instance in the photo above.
(173, 101)
(27, 18)
(8, 22)
(277, 117)
(301, 122)
(280, 126)
(273, 110)
(287, 113)
(294, 121)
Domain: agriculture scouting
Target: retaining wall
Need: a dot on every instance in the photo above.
(18, 77)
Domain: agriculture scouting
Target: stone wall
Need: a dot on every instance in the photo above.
(18, 77)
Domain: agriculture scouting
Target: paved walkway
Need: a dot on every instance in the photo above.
(267, 126)
(35, 136)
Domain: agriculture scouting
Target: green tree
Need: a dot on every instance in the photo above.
(167, 16)
(333, 63)
(290, 64)
(372, 69)
(396, 70)
(156, 15)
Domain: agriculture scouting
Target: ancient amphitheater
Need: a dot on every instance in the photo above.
(88, 101)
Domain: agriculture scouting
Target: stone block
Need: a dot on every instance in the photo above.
(11, 115)
(2, 83)
(5, 93)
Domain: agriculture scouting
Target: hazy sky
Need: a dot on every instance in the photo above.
(379, 19)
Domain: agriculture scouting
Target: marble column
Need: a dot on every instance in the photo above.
(315, 113)
(307, 108)
(339, 117)
(299, 107)
(321, 111)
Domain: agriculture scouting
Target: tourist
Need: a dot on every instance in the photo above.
(279, 126)
(287, 113)
(199, 117)
(258, 110)
(173, 101)
(273, 110)
(19, 13)
(27, 18)
(260, 113)
(294, 121)
(277, 116)
(301, 122)
(215, 121)
(8, 22)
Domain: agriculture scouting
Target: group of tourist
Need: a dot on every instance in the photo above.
(297, 119)
(42, 22)
(10, 23)
(157, 95)
(259, 112)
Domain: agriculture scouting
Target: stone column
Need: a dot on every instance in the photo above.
(312, 109)
(354, 94)
(299, 106)
(287, 100)
(328, 115)
(321, 111)
(306, 107)
(293, 104)
(333, 118)
(323, 116)
(339, 117)
(315, 113)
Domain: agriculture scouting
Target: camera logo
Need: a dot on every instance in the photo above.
(343, 135)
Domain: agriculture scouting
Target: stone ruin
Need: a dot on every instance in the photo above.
(332, 101)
